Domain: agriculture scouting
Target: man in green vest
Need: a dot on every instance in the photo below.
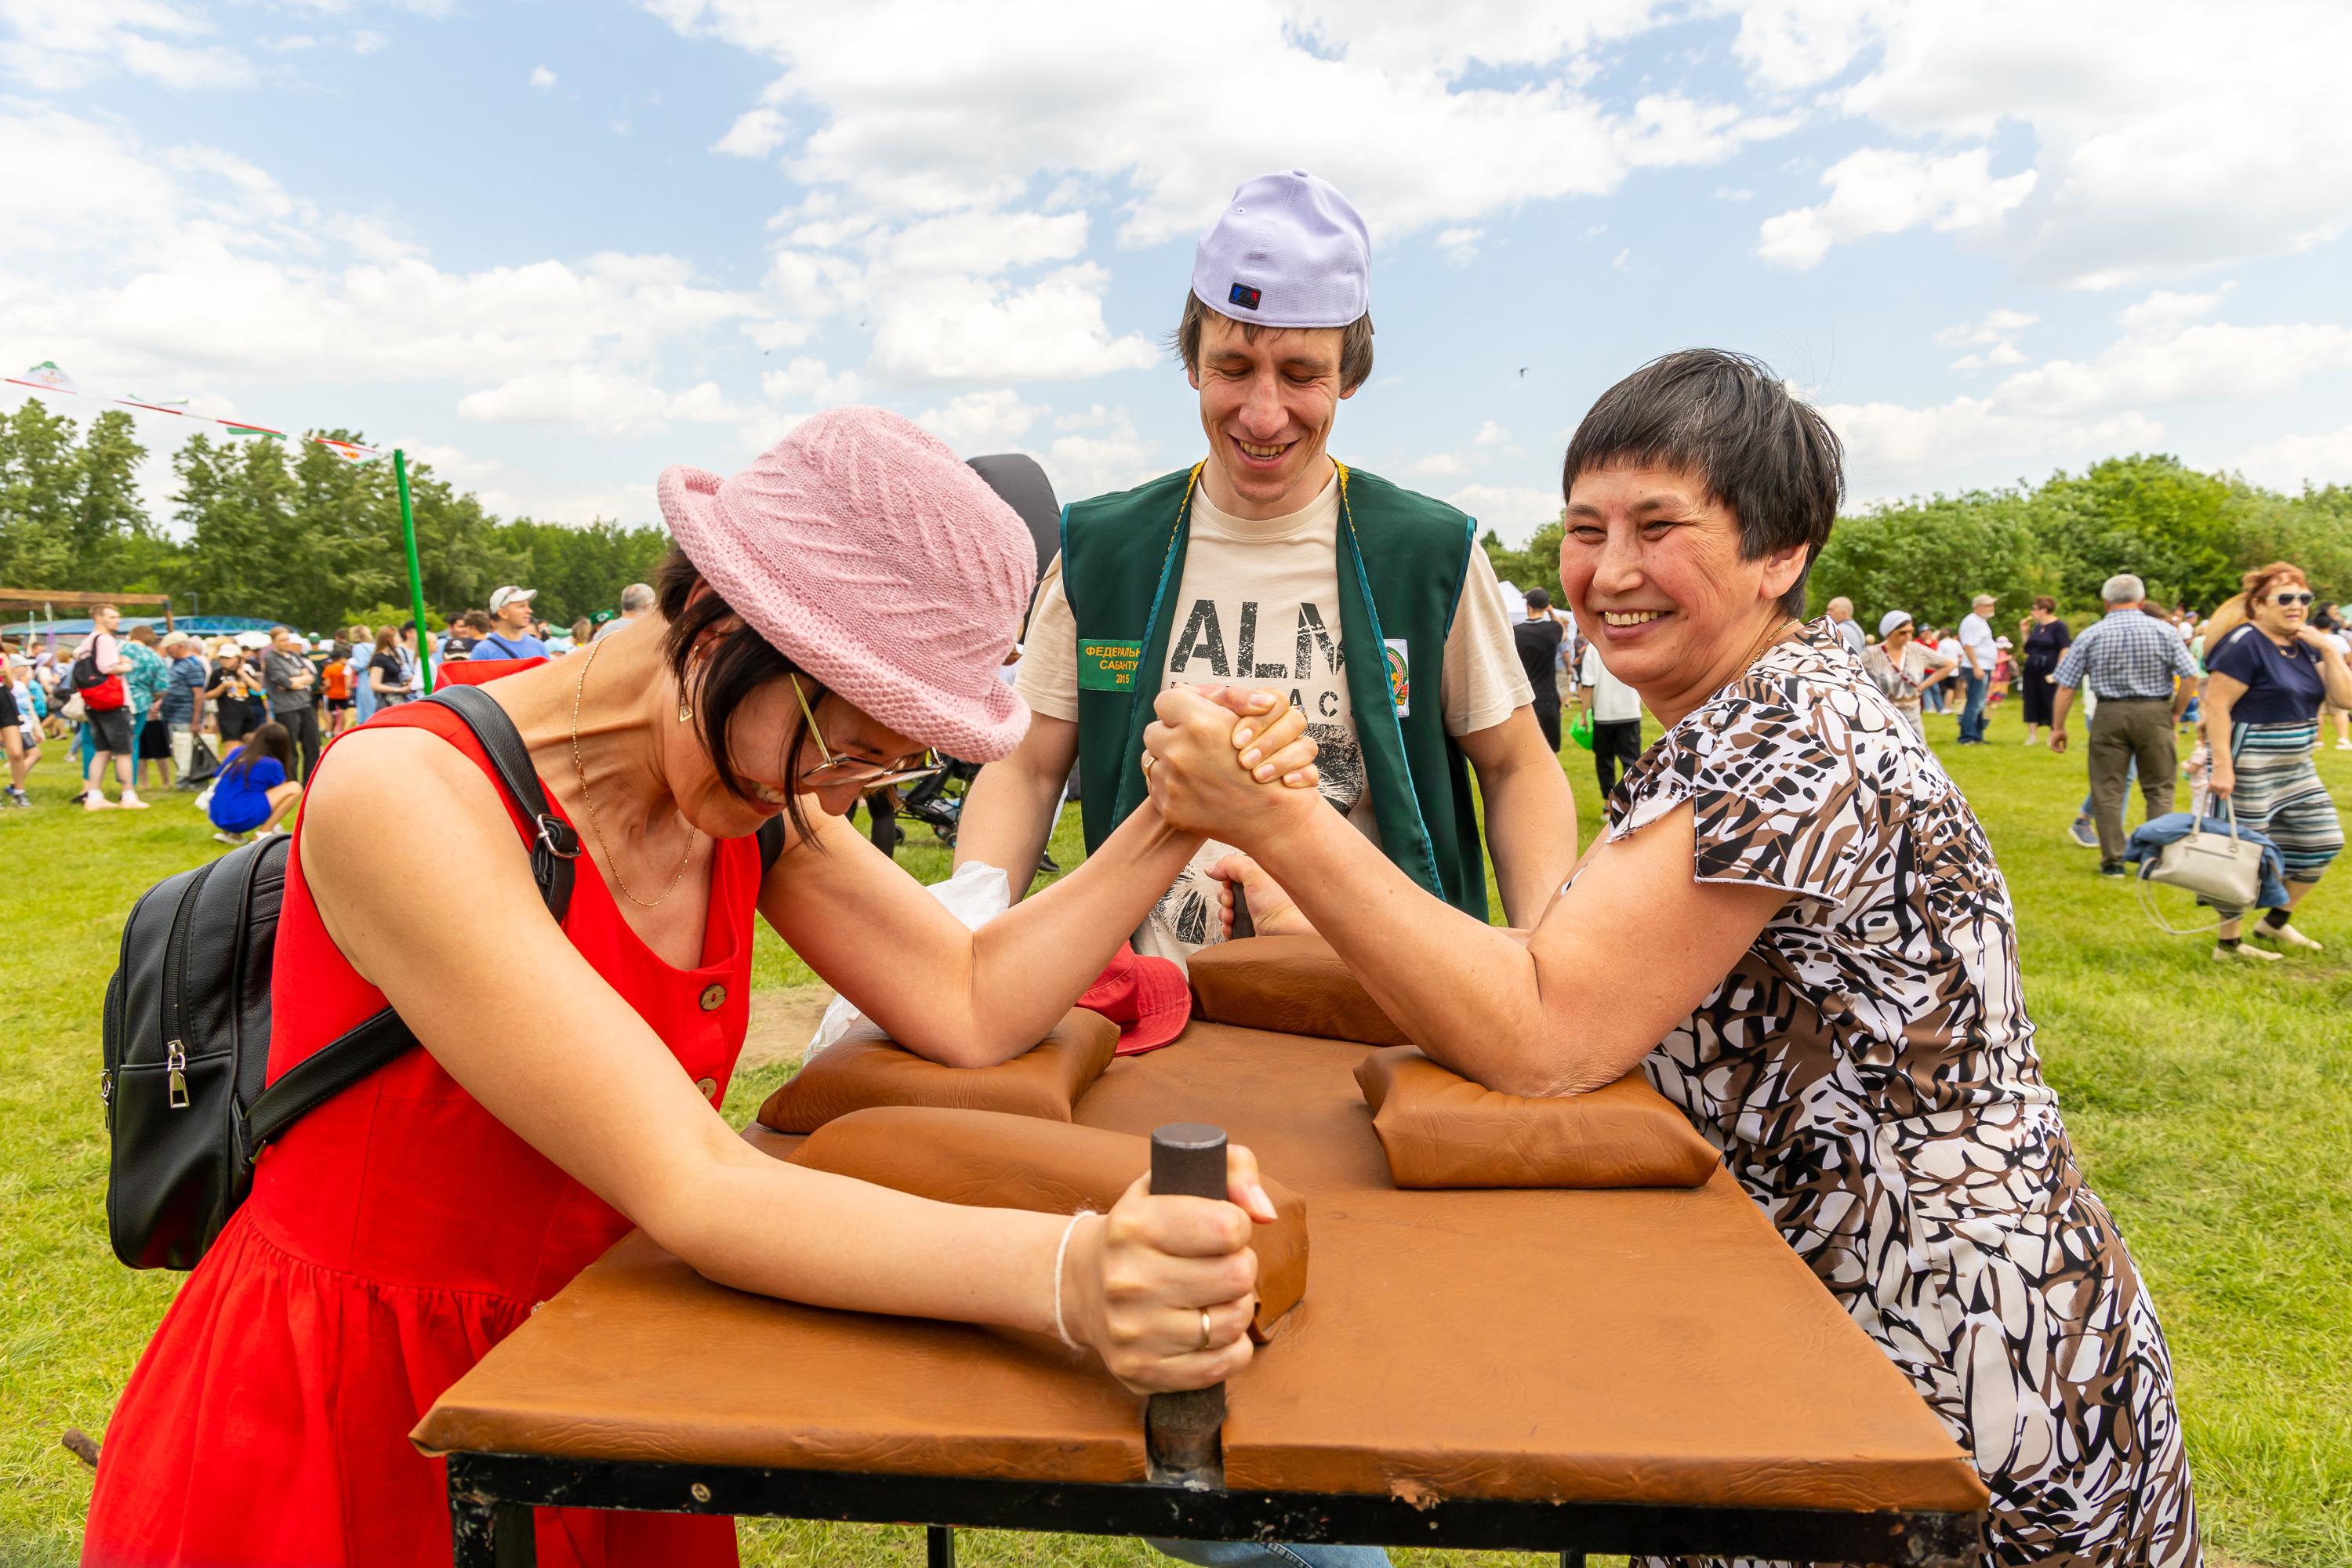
(1269, 565)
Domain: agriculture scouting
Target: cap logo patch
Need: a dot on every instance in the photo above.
(1243, 295)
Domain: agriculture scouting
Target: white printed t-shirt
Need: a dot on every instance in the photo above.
(1259, 605)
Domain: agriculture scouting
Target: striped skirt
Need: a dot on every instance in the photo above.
(2279, 795)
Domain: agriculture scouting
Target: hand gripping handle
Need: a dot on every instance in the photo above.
(1183, 1433)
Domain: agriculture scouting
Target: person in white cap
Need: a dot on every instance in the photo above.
(1901, 664)
(510, 637)
(1268, 564)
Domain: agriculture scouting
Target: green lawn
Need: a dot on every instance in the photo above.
(2212, 1104)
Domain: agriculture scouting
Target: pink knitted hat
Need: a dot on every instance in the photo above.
(869, 555)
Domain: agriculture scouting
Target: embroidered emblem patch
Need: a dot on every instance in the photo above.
(1399, 677)
(1243, 295)
(1107, 665)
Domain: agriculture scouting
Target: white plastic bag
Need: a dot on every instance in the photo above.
(975, 895)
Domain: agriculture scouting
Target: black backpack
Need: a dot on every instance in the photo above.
(186, 1032)
(84, 675)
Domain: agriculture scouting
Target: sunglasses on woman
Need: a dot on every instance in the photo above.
(2285, 600)
(857, 771)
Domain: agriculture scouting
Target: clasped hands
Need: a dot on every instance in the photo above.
(1229, 762)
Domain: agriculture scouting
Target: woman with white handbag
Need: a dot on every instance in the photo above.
(2269, 672)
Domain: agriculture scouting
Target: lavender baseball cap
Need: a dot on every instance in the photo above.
(1287, 251)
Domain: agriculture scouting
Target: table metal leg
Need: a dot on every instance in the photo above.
(1571, 1560)
(939, 1542)
(486, 1534)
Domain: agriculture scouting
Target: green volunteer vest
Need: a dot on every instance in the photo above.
(1401, 558)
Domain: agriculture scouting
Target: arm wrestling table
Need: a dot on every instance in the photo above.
(1650, 1372)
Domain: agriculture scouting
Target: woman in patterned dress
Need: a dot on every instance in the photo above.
(2269, 674)
(1795, 925)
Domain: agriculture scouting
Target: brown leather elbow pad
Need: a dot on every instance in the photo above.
(988, 1160)
(1290, 986)
(1044, 1081)
(1441, 1129)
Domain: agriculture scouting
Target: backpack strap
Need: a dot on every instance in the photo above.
(351, 1055)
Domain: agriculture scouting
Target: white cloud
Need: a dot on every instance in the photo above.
(2291, 461)
(2071, 411)
(1994, 334)
(1460, 244)
(1116, 457)
(960, 328)
(808, 383)
(1491, 434)
(541, 77)
(1892, 450)
(1441, 464)
(2162, 142)
(755, 134)
(979, 422)
(1623, 260)
(1993, 327)
(984, 243)
(1880, 190)
(55, 46)
(601, 403)
(1514, 512)
(1374, 98)
(368, 41)
(182, 268)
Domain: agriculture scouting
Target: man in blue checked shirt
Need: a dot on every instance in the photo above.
(2143, 678)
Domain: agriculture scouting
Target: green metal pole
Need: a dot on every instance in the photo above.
(416, 574)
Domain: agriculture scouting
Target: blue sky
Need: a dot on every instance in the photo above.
(553, 247)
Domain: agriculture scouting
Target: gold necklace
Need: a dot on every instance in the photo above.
(581, 768)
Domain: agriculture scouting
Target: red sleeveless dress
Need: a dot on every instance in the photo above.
(393, 1236)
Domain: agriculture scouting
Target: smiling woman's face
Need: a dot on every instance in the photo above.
(1651, 563)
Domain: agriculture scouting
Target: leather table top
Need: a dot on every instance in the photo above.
(1656, 1346)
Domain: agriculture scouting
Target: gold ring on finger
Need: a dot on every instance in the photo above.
(1205, 1330)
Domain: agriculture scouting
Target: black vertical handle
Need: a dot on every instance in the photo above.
(1243, 925)
(1183, 1433)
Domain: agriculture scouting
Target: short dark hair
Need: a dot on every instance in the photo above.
(1769, 456)
(742, 661)
(1354, 342)
(2045, 602)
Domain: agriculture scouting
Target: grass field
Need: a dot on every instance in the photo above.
(2212, 1104)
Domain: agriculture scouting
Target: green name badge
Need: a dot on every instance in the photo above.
(1107, 665)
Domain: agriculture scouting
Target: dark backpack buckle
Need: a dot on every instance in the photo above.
(558, 838)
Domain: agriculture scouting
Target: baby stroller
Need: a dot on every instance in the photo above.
(938, 801)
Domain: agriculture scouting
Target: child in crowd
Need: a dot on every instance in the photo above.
(256, 788)
(337, 676)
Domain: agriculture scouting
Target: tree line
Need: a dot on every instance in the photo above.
(281, 531)
(295, 534)
(2188, 534)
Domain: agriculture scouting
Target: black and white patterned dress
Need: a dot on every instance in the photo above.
(1868, 1070)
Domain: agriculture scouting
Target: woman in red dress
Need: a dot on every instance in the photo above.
(830, 614)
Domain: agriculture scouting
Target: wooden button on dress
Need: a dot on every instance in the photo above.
(713, 997)
(708, 1086)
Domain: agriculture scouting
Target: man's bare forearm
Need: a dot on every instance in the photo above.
(1010, 811)
(1531, 832)
(1008, 816)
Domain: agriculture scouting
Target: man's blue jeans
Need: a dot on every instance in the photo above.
(1972, 721)
(1262, 1555)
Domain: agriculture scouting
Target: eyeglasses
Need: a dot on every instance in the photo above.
(857, 771)
(2284, 600)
